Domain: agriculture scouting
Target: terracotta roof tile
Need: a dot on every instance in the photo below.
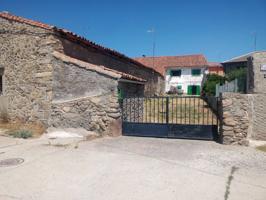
(162, 62)
(96, 68)
(11, 17)
(214, 64)
(70, 35)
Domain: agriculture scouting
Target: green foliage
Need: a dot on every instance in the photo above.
(21, 134)
(240, 75)
(236, 74)
(210, 84)
(213, 79)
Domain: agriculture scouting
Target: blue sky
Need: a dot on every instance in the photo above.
(219, 29)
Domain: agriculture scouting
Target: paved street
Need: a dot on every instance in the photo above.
(132, 168)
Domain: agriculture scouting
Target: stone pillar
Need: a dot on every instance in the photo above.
(235, 119)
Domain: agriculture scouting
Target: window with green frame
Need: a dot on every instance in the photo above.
(196, 72)
(179, 87)
(176, 72)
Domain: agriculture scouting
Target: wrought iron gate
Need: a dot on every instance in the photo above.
(173, 117)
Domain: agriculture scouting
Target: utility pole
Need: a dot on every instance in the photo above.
(255, 40)
(152, 31)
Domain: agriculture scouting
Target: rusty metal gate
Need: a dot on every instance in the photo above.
(191, 117)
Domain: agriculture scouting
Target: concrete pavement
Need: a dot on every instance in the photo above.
(133, 168)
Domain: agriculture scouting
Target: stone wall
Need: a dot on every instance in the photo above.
(235, 118)
(100, 114)
(3, 108)
(27, 81)
(83, 98)
(257, 128)
(71, 81)
(256, 79)
(243, 118)
(154, 85)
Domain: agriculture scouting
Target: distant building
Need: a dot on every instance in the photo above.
(237, 62)
(184, 73)
(215, 68)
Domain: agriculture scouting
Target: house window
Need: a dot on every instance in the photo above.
(179, 87)
(176, 72)
(196, 72)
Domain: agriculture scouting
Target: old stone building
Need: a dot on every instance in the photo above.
(244, 114)
(238, 62)
(61, 79)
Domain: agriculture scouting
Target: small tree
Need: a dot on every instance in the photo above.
(209, 86)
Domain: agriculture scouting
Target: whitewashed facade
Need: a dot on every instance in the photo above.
(188, 80)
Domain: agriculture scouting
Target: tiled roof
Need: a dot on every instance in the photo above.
(162, 62)
(215, 67)
(242, 58)
(96, 68)
(214, 64)
(11, 17)
(70, 35)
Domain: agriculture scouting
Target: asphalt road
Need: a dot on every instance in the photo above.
(132, 168)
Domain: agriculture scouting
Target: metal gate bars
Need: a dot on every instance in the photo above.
(175, 117)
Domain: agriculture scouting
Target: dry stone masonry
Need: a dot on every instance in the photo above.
(244, 118)
(91, 113)
(244, 115)
(236, 120)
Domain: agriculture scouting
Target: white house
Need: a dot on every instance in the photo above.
(185, 79)
(182, 73)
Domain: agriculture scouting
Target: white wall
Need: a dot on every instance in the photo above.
(184, 80)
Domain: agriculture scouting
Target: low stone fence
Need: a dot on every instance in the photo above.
(243, 118)
(100, 114)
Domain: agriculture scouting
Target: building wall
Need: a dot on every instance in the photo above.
(217, 71)
(27, 81)
(228, 67)
(83, 98)
(130, 89)
(184, 80)
(71, 81)
(154, 83)
(256, 79)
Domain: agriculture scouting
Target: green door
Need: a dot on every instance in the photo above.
(189, 90)
(193, 90)
(198, 90)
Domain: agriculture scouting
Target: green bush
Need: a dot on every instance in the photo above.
(236, 74)
(209, 86)
(240, 75)
(21, 134)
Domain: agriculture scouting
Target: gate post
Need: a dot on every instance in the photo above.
(167, 110)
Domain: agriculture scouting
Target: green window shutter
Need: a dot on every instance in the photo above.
(196, 72)
(189, 90)
(198, 90)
